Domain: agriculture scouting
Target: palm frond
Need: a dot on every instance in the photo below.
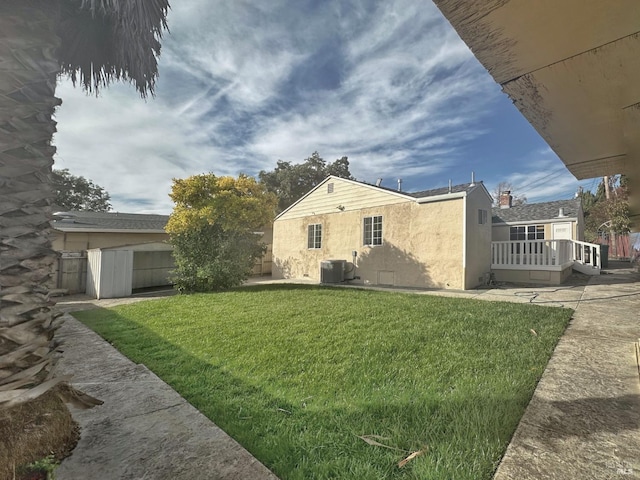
(107, 40)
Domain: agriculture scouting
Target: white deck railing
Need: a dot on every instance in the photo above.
(554, 255)
(586, 256)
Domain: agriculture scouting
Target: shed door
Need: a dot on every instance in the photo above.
(116, 273)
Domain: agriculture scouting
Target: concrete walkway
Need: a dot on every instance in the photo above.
(583, 421)
(144, 429)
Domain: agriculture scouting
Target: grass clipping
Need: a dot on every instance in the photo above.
(373, 440)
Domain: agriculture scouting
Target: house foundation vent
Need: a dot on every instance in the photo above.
(332, 271)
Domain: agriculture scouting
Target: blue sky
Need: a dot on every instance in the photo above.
(387, 83)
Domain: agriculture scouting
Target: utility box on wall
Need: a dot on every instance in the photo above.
(332, 271)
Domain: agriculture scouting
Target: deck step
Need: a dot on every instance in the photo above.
(586, 269)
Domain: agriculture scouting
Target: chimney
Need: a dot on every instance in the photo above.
(561, 212)
(449, 185)
(473, 179)
(399, 184)
(378, 182)
(506, 200)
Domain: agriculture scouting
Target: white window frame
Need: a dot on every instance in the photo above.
(372, 235)
(530, 232)
(314, 236)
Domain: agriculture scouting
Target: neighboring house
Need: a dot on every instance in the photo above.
(378, 236)
(77, 235)
(561, 219)
(80, 231)
(540, 242)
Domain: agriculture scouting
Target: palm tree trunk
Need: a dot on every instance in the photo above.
(28, 73)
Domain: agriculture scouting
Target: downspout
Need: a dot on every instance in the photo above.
(464, 242)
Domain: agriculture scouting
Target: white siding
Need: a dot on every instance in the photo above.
(109, 273)
(94, 258)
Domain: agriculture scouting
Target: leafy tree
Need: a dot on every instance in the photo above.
(78, 193)
(504, 187)
(587, 198)
(604, 214)
(212, 230)
(290, 182)
(95, 42)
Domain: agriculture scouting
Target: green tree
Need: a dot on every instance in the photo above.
(607, 213)
(78, 193)
(587, 199)
(212, 229)
(290, 182)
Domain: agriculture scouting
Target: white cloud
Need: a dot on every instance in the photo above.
(390, 97)
(130, 147)
(242, 85)
(541, 178)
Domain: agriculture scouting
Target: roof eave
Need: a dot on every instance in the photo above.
(439, 198)
(107, 230)
(533, 222)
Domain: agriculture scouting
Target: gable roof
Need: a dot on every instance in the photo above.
(441, 193)
(79, 221)
(346, 180)
(530, 212)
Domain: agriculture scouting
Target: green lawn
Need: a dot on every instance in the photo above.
(297, 373)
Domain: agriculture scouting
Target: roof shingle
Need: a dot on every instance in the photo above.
(104, 221)
(536, 211)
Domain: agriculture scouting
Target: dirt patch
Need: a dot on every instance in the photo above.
(33, 431)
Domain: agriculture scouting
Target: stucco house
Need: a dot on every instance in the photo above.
(560, 219)
(540, 242)
(374, 235)
(80, 231)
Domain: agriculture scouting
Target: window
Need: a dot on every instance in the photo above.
(314, 237)
(372, 230)
(526, 232)
(482, 216)
(329, 187)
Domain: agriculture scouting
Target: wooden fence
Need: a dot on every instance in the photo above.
(72, 273)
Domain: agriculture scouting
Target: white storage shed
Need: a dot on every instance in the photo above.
(116, 271)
